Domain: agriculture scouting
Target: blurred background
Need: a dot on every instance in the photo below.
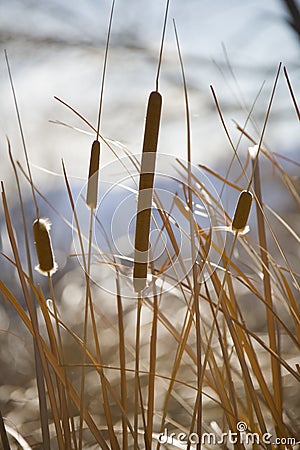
(57, 48)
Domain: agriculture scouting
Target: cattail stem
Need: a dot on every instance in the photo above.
(63, 394)
(242, 212)
(162, 45)
(104, 69)
(265, 125)
(291, 92)
(152, 366)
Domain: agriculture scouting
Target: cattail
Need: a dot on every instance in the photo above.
(143, 218)
(42, 240)
(242, 211)
(92, 189)
(146, 191)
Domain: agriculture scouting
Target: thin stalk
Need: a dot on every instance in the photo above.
(3, 434)
(33, 319)
(182, 342)
(291, 92)
(22, 134)
(208, 345)
(38, 367)
(226, 130)
(152, 367)
(103, 380)
(264, 126)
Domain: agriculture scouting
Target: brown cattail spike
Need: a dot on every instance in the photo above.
(92, 189)
(146, 191)
(242, 211)
(42, 240)
(152, 122)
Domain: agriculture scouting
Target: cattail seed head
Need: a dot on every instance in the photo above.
(92, 189)
(242, 211)
(42, 240)
(152, 122)
(253, 151)
(145, 195)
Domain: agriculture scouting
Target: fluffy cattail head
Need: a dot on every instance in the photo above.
(242, 210)
(42, 240)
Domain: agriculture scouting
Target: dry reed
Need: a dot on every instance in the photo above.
(92, 189)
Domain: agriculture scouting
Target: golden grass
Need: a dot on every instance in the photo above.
(42, 240)
(189, 359)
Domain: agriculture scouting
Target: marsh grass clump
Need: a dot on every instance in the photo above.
(154, 357)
